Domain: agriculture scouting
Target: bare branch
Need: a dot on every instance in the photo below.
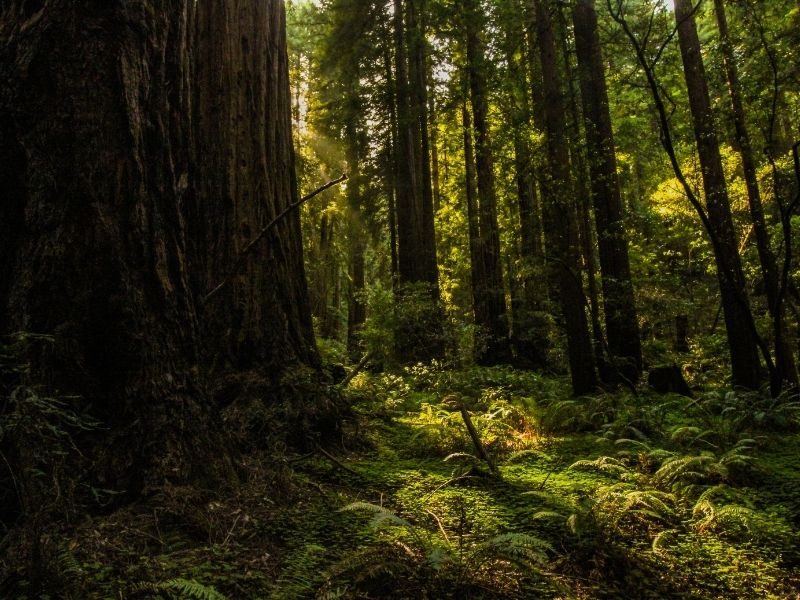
(261, 234)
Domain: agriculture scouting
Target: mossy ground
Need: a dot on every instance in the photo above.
(613, 528)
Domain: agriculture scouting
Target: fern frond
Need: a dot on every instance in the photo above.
(682, 468)
(188, 589)
(380, 514)
(605, 464)
(516, 547)
(661, 539)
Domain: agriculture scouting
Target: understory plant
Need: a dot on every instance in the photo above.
(407, 560)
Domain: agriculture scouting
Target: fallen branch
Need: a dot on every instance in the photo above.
(357, 369)
(476, 441)
(337, 462)
(254, 242)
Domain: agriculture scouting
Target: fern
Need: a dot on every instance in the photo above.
(518, 548)
(380, 514)
(184, 589)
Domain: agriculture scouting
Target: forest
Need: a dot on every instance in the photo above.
(399, 299)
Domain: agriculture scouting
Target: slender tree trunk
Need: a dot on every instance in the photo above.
(418, 81)
(494, 327)
(741, 338)
(622, 329)
(560, 224)
(393, 165)
(419, 334)
(529, 330)
(580, 173)
(357, 307)
(475, 251)
(784, 357)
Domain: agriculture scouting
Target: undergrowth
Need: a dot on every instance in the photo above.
(613, 496)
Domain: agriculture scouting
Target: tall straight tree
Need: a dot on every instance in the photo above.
(490, 302)
(561, 231)
(357, 308)
(417, 337)
(529, 329)
(784, 357)
(113, 219)
(622, 328)
(738, 318)
(241, 117)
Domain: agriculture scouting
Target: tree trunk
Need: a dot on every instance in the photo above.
(784, 357)
(475, 251)
(560, 221)
(494, 322)
(94, 108)
(419, 334)
(622, 328)
(529, 330)
(357, 308)
(135, 197)
(741, 337)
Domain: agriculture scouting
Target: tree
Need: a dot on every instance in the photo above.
(622, 329)
(561, 232)
(784, 357)
(738, 318)
(490, 305)
(529, 328)
(418, 338)
(131, 209)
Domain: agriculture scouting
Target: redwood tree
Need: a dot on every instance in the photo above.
(135, 182)
(561, 230)
(622, 329)
(738, 318)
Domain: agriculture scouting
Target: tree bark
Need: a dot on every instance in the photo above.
(559, 211)
(242, 127)
(151, 142)
(622, 328)
(95, 104)
(494, 320)
(741, 338)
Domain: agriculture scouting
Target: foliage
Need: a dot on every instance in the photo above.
(180, 589)
(437, 563)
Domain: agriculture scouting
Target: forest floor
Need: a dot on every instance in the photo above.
(616, 496)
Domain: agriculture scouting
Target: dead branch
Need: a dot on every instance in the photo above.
(254, 242)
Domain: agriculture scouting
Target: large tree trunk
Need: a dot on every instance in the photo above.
(494, 320)
(560, 220)
(622, 328)
(246, 177)
(738, 320)
(123, 224)
(95, 105)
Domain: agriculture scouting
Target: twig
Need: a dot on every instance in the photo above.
(249, 248)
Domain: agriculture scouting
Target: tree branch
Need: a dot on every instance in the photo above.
(254, 242)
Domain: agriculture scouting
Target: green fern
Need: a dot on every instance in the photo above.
(184, 589)
(517, 548)
(380, 514)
